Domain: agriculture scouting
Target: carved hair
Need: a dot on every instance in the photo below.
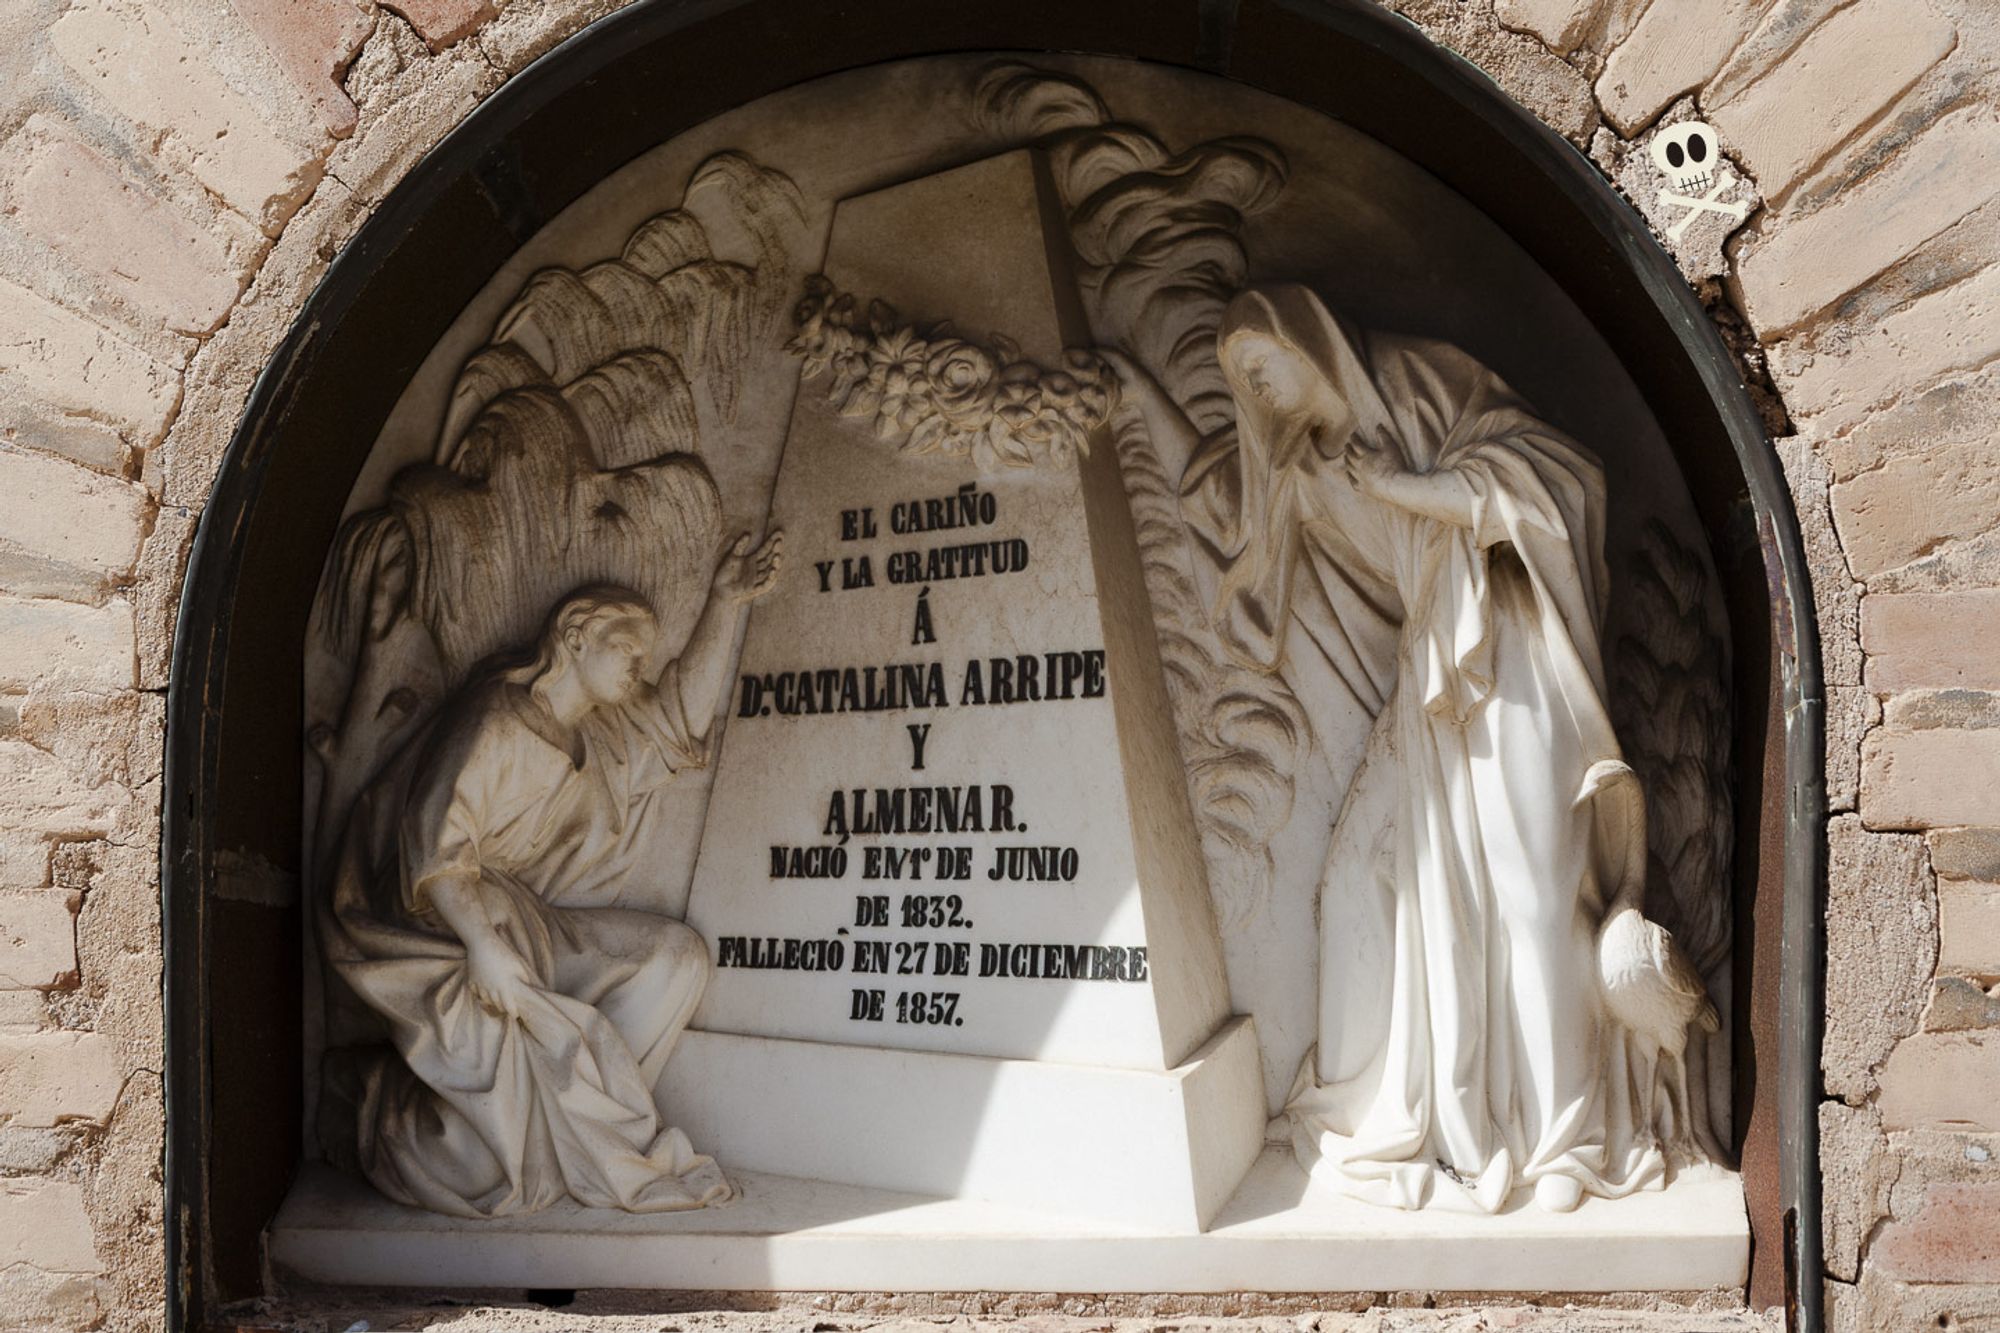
(591, 609)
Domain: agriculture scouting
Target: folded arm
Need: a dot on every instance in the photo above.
(1445, 496)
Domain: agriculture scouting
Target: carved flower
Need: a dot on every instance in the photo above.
(810, 313)
(896, 389)
(963, 383)
(1022, 420)
(938, 393)
(846, 351)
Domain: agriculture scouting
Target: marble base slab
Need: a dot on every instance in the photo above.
(1162, 1149)
(800, 1235)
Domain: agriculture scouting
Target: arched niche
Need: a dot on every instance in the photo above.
(235, 1074)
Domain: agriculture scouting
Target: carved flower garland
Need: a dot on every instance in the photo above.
(931, 391)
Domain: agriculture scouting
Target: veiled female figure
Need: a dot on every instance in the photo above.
(1390, 525)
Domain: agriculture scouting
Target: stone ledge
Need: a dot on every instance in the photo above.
(787, 1234)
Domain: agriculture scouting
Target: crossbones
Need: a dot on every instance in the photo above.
(1703, 203)
(1690, 157)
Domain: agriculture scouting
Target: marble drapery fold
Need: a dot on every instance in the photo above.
(480, 1114)
(1492, 821)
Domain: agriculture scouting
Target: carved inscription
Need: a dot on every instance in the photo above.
(946, 816)
(889, 831)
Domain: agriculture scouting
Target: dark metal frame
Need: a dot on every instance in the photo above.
(517, 160)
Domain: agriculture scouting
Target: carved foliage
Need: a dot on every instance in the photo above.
(1672, 704)
(566, 456)
(1158, 237)
(931, 391)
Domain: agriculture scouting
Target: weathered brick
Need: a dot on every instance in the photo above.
(1881, 1304)
(1804, 264)
(1966, 853)
(1943, 1080)
(42, 798)
(73, 377)
(141, 250)
(442, 22)
(33, 1149)
(37, 940)
(1850, 67)
(48, 642)
(24, 859)
(1971, 565)
(1936, 1156)
(38, 1302)
(137, 59)
(1560, 24)
(1952, 416)
(1915, 640)
(1962, 1004)
(53, 1077)
(1933, 710)
(1954, 1237)
(1881, 948)
(28, 424)
(66, 531)
(1969, 927)
(1903, 509)
(313, 44)
(1784, 25)
(1930, 779)
(409, 102)
(1950, 331)
(99, 738)
(117, 934)
(1673, 49)
(42, 1223)
(24, 1009)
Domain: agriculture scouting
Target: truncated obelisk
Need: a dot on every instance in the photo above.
(950, 878)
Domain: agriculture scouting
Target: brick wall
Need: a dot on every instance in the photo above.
(175, 175)
(1871, 130)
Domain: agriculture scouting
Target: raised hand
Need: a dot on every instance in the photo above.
(743, 575)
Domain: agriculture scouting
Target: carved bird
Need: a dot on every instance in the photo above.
(1656, 995)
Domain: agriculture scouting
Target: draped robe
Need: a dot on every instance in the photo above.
(1461, 1028)
(480, 1115)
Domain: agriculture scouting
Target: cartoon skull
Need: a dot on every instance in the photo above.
(1687, 154)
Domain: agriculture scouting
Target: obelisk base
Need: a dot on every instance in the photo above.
(1164, 1150)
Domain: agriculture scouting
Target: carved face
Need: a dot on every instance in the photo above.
(1273, 371)
(611, 657)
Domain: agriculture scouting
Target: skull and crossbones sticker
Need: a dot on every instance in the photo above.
(1690, 157)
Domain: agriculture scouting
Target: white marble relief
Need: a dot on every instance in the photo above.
(528, 1028)
(1444, 682)
(1492, 1002)
(932, 391)
(516, 658)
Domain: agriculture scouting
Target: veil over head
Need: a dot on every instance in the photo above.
(1258, 541)
(1294, 317)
